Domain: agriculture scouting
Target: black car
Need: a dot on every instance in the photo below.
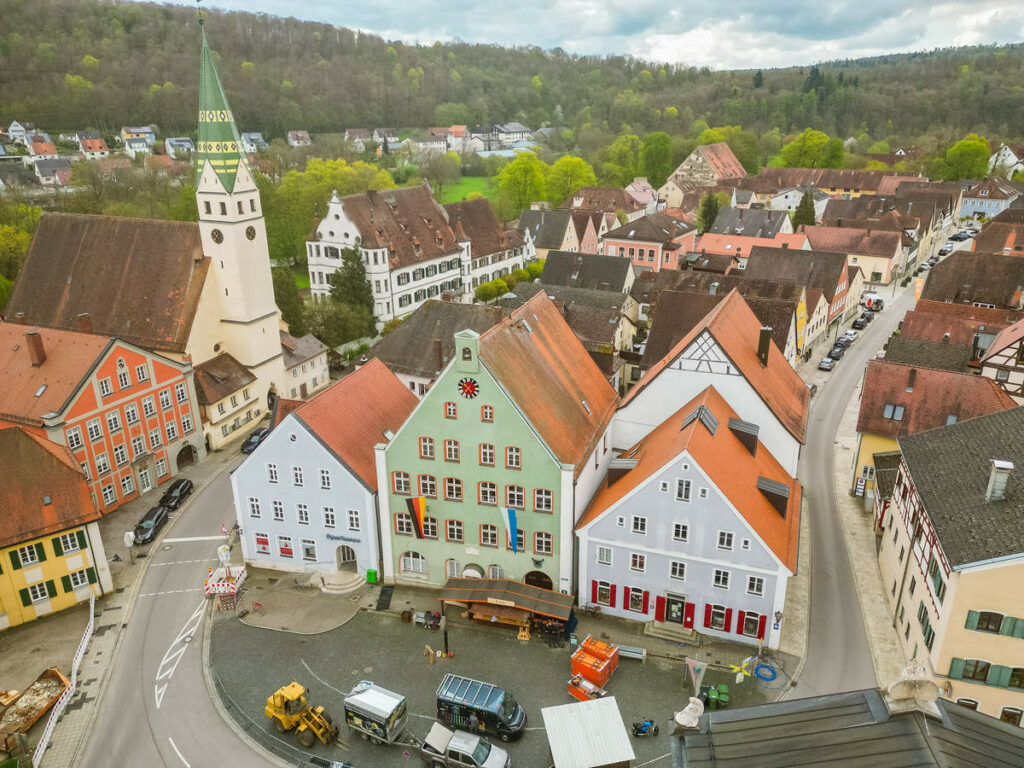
(959, 237)
(843, 341)
(860, 323)
(150, 525)
(837, 352)
(255, 439)
(867, 317)
(176, 493)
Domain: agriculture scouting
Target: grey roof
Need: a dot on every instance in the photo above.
(654, 227)
(749, 222)
(950, 467)
(887, 466)
(814, 269)
(816, 193)
(964, 277)
(852, 730)
(547, 228)
(586, 270)
(586, 297)
(928, 354)
(298, 350)
(50, 167)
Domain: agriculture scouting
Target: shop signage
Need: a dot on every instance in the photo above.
(498, 601)
(335, 537)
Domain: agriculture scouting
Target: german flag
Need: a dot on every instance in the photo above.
(417, 510)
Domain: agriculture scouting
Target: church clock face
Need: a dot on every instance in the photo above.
(250, 232)
(218, 236)
(468, 388)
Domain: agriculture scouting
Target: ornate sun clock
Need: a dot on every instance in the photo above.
(468, 387)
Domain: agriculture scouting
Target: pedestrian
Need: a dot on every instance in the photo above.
(474, 722)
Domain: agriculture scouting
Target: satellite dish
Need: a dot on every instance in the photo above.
(129, 538)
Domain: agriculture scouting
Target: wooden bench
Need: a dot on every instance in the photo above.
(632, 652)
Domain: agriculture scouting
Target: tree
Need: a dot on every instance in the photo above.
(758, 79)
(335, 324)
(14, 243)
(286, 294)
(804, 213)
(566, 175)
(349, 284)
(879, 148)
(620, 161)
(535, 269)
(656, 157)
(391, 324)
(441, 171)
(833, 154)
(520, 183)
(707, 212)
(806, 150)
(967, 159)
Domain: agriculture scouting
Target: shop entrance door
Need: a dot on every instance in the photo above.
(675, 609)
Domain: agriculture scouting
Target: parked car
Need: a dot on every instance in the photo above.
(851, 335)
(454, 749)
(959, 237)
(972, 230)
(150, 525)
(837, 353)
(252, 441)
(176, 493)
(860, 323)
(932, 261)
(947, 248)
(843, 341)
(866, 317)
(826, 364)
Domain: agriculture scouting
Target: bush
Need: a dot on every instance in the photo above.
(535, 269)
(485, 292)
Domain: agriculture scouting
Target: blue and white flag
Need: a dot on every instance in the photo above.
(510, 528)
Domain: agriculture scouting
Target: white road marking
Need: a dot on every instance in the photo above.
(314, 674)
(170, 592)
(178, 752)
(655, 760)
(185, 562)
(195, 538)
(172, 658)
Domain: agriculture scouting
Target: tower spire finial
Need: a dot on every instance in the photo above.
(199, 14)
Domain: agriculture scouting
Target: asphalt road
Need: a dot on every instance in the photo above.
(155, 710)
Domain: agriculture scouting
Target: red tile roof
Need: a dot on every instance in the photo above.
(726, 460)
(722, 160)
(936, 396)
(31, 469)
(352, 415)
(94, 145)
(283, 407)
(604, 199)
(736, 329)
(482, 228)
(43, 148)
(869, 242)
(740, 245)
(551, 378)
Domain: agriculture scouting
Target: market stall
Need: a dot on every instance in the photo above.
(510, 603)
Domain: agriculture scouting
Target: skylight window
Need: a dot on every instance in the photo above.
(42, 389)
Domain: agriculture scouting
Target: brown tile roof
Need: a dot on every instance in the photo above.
(595, 271)
(994, 189)
(539, 362)
(869, 242)
(936, 396)
(297, 350)
(966, 277)
(932, 320)
(736, 329)
(29, 392)
(928, 354)
(1001, 236)
(1007, 336)
(655, 227)
(722, 160)
(593, 326)
(408, 222)
(814, 269)
(139, 279)
(748, 286)
(719, 264)
(219, 377)
(482, 227)
(352, 415)
(771, 180)
(283, 406)
(846, 178)
(159, 162)
(604, 199)
(726, 460)
(32, 469)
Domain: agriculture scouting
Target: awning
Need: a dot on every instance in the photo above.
(512, 594)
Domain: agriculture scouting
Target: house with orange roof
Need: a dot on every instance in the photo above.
(505, 450)
(738, 247)
(695, 527)
(306, 498)
(707, 165)
(731, 350)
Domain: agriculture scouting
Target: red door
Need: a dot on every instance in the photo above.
(688, 616)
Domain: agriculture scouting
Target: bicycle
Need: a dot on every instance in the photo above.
(590, 609)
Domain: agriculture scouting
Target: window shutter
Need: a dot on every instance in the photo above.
(51, 588)
(81, 539)
(707, 615)
(65, 582)
(1008, 626)
(956, 669)
(26, 600)
(762, 624)
(90, 573)
(625, 598)
(728, 619)
(15, 560)
(1018, 628)
(688, 612)
(998, 675)
(593, 591)
(972, 620)
(659, 608)
(739, 621)
(647, 600)
(41, 552)
(58, 550)
(611, 596)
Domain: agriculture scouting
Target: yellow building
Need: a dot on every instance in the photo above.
(51, 553)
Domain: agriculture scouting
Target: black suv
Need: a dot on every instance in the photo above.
(176, 493)
(150, 525)
(251, 443)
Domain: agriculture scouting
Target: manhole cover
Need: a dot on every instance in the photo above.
(354, 599)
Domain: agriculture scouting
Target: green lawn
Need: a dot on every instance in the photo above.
(301, 276)
(455, 192)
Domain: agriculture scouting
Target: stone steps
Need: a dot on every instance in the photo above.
(664, 630)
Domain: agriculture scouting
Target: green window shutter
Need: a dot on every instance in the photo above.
(1008, 626)
(972, 620)
(41, 552)
(81, 539)
(90, 573)
(15, 560)
(26, 599)
(956, 668)
(51, 588)
(1018, 628)
(58, 550)
(65, 581)
(998, 675)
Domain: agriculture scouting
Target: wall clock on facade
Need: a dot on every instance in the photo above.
(250, 232)
(218, 236)
(468, 387)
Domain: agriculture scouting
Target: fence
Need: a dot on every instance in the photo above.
(69, 692)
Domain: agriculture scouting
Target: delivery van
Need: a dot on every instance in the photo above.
(497, 712)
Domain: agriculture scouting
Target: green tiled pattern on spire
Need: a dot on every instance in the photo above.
(218, 137)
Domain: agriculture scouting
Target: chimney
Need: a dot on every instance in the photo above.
(911, 377)
(84, 323)
(763, 342)
(35, 348)
(19, 318)
(439, 354)
(998, 477)
(713, 289)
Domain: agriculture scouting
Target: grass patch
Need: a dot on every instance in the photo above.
(301, 276)
(467, 184)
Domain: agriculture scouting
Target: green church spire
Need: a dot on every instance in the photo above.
(218, 137)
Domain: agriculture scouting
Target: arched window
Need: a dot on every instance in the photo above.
(412, 562)
(495, 572)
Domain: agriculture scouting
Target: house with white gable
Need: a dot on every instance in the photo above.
(18, 132)
(1005, 161)
(306, 498)
(696, 527)
(731, 351)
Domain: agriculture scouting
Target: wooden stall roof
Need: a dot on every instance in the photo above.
(511, 593)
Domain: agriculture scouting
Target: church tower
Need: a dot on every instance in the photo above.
(234, 238)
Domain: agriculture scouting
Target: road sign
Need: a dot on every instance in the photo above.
(223, 529)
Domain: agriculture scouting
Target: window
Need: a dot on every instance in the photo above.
(165, 399)
(271, 473)
(703, 493)
(120, 455)
(180, 392)
(105, 387)
(172, 431)
(543, 500)
(683, 490)
(284, 546)
(637, 562)
(745, 544)
(427, 485)
(1016, 678)
(141, 373)
(451, 411)
(520, 541)
(451, 450)
(989, 621)
(678, 570)
(639, 524)
(220, 406)
(718, 617)
(751, 622)
(913, 585)
(488, 493)
(328, 517)
(412, 562)
(400, 482)
(302, 512)
(426, 447)
(186, 423)
(254, 507)
(680, 532)
(604, 555)
(109, 495)
(37, 592)
(935, 574)
(353, 520)
(28, 555)
(325, 479)
(74, 438)
(69, 542)
(453, 530)
(724, 540)
(755, 586)
(161, 467)
(488, 535)
(604, 593)
(452, 489)
(278, 511)
(309, 550)
(149, 407)
(894, 412)
(486, 413)
(131, 413)
(721, 579)
(1010, 715)
(102, 465)
(513, 458)
(515, 496)
(155, 440)
(297, 476)
(262, 543)
(403, 524)
(78, 578)
(495, 572)
(429, 527)
(94, 430)
(1002, 375)
(234, 401)
(487, 454)
(636, 600)
(543, 543)
(976, 669)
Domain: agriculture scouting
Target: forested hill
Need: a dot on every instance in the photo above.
(68, 64)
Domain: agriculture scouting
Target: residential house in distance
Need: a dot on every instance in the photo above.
(737, 248)
(227, 397)
(92, 145)
(696, 527)
(877, 253)
(899, 399)
(752, 222)
(652, 242)
(590, 226)
(988, 199)
(50, 545)
(427, 146)
(19, 131)
(306, 499)
(143, 132)
(951, 555)
(1003, 361)
(358, 137)
(128, 416)
(519, 420)
(549, 230)
(305, 365)
(707, 165)
(788, 199)
(640, 189)
(593, 271)
(299, 139)
(53, 173)
(179, 147)
(388, 135)
(494, 250)
(994, 281)
(826, 272)
(253, 143)
(1006, 161)
(510, 133)
(40, 148)
(137, 147)
(1002, 234)
(954, 324)
(609, 201)
(919, 222)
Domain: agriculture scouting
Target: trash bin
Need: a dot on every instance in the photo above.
(371, 576)
(406, 617)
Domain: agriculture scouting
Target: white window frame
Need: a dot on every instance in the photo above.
(180, 392)
(278, 508)
(639, 525)
(638, 562)
(37, 592)
(165, 399)
(354, 522)
(141, 373)
(604, 555)
(74, 437)
(543, 543)
(261, 549)
(109, 494)
(254, 507)
(28, 555)
(454, 531)
(124, 379)
(677, 570)
(297, 478)
(148, 408)
(308, 551)
(78, 578)
(726, 540)
(755, 586)
(94, 429)
(325, 480)
(302, 513)
(683, 528)
(684, 490)
(720, 579)
(69, 542)
(272, 473)
(131, 413)
(106, 387)
(329, 517)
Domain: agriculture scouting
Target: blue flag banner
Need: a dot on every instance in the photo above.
(510, 528)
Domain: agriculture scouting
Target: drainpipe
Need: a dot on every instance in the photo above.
(92, 553)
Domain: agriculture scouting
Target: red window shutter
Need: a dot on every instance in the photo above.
(647, 600)
(593, 591)
(625, 598)
(707, 615)
(611, 598)
(659, 608)
(739, 622)
(688, 612)
(761, 624)
(728, 619)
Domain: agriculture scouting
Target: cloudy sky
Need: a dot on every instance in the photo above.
(714, 33)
